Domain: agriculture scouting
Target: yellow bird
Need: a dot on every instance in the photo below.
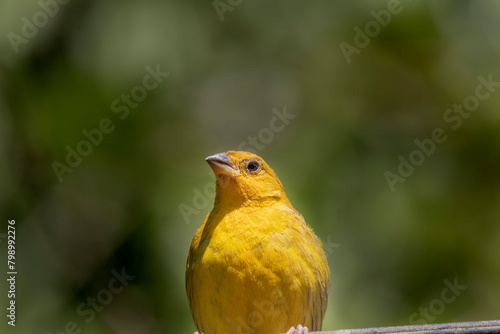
(255, 266)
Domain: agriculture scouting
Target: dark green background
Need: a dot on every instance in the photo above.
(390, 252)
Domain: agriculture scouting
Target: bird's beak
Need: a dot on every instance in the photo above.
(221, 163)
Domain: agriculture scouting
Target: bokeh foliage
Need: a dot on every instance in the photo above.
(119, 208)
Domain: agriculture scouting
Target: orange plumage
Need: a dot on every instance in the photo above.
(254, 266)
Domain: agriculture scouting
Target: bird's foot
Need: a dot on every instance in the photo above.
(299, 330)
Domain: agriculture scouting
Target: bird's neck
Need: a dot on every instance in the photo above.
(230, 196)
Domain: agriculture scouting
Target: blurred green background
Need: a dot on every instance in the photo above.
(136, 196)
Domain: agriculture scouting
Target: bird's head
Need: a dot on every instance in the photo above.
(243, 177)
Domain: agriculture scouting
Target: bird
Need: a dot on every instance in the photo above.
(254, 265)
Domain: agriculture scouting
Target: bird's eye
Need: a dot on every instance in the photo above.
(253, 166)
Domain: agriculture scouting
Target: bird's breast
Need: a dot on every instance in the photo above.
(256, 267)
